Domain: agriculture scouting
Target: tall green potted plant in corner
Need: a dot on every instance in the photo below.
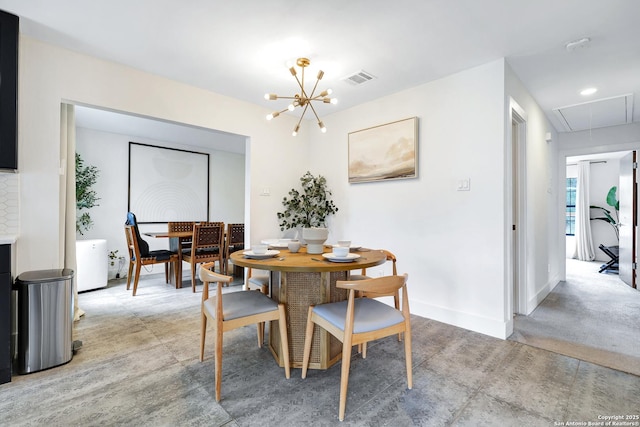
(611, 219)
(308, 209)
(86, 197)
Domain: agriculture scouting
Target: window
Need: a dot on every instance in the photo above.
(570, 222)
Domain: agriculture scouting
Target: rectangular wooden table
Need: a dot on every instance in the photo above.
(299, 280)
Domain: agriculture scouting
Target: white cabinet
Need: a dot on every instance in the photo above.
(92, 263)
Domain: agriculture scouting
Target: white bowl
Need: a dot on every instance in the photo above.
(341, 251)
(345, 243)
(259, 249)
(294, 246)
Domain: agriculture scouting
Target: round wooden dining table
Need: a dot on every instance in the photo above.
(299, 280)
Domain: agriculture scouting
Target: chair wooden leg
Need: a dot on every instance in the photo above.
(136, 278)
(176, 269)
(364, 350)
(260, 334)
(284, 340)
(396, 300)
(308, 336)
(407, 356)
(193, 277)
(166, 272)
(344, 375)
(129, 275)
(203, 334)
(218, 363)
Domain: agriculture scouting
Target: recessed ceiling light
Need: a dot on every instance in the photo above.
(577, 44)
(588, 91)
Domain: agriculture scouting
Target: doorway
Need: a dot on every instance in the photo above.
(103, 137)
(517, 237)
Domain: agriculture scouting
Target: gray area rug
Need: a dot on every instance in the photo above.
(591, 316)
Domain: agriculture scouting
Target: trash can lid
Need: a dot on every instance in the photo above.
(40, 276)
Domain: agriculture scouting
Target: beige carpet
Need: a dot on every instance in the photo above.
(591, 316)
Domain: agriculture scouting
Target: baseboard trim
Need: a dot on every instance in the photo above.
(472, 322)
(533, 302)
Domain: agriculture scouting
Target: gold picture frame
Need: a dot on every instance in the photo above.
(384, 152)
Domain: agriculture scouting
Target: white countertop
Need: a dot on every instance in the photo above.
(7, 239)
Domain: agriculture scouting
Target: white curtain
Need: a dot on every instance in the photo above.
(68, 196)
(584, 242)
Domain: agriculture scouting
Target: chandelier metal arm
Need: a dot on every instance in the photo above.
(313, 91)
(314, 112)
(301, 116)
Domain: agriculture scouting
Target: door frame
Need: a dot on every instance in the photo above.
(516, 247)
(562, 178)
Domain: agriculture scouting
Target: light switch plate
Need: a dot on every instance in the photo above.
(464, 184)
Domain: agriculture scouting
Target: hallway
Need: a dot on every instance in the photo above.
(591, 316)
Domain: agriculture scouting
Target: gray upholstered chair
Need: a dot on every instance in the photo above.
(359, 320)
(234, 310)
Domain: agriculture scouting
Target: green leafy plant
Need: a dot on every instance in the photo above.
(113, 256)
(612, 201)
(308, 207)
(86, 197)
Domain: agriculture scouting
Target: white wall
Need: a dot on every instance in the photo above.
(109, 153)
(450, 242)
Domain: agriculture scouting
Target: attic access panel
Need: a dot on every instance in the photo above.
(617, 110)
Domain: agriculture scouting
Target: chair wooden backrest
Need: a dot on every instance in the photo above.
(132, 242)
(179, 226)
(207, 236)
(390, 257)
(207, 245)
(234, 242)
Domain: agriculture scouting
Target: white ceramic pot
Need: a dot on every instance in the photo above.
(315, 238)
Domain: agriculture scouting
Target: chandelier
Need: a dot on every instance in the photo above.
(302, 99)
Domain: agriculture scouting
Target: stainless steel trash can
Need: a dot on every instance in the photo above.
(45, 319)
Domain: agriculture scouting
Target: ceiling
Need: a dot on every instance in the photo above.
(241, 48)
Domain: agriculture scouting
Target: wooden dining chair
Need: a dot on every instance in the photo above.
(359, 320)
(234, 242)
(179, 245)
(233, 310)
(137, 259)
(207, 245)
(396, 297)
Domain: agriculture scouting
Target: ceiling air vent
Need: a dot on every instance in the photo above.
(358, 78)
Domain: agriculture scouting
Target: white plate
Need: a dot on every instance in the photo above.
(276, 243)
(269, 254)
(334, 258)
(351, 248)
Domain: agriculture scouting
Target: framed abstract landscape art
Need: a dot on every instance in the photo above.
(384, 152)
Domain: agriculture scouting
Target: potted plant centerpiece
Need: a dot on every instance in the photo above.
(308, 209)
